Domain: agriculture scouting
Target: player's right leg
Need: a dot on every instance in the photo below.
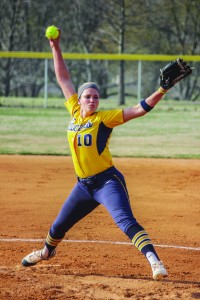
(114, 196)
(77, 206)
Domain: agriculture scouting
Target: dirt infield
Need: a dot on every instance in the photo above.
(90, 263)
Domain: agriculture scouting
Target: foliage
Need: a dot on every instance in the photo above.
(115, 26)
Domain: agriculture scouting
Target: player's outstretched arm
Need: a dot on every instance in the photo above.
(144, 106)
(61, 70)
(169, 76)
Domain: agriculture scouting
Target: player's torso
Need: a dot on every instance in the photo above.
(88, 139)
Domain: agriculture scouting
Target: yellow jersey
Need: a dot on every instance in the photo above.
(89, 138)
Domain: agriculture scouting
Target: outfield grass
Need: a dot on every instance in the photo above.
(172, 129)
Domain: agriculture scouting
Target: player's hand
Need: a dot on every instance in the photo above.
(55, 42)
(173, 73)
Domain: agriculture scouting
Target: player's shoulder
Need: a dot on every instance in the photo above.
(101, 114)
(72, 104)
(109, 112)
(111, 117)
(105, 112)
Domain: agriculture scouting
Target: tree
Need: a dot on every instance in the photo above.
(11, 16)
(89, 26)
(174, 28)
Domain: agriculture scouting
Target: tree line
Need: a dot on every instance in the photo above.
(99, 26)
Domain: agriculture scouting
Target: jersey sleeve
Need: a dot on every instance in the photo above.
(112, 118)
(72, 105)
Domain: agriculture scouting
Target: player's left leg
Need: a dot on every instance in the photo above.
(114, 196)
(77, 206)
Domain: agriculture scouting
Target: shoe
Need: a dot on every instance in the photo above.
(158, 270)
(37, 255)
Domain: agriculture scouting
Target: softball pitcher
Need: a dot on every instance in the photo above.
(98, 181)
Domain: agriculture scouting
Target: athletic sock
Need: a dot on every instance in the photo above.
(142, 242)
(51, 243)
(45, 252)
(151, 257)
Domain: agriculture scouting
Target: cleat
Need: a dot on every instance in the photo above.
(37, 255)
(158, 270)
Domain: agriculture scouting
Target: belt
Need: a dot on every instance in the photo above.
(99, 178)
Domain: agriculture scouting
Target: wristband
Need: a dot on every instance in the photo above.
(145, 106)
(162, 91)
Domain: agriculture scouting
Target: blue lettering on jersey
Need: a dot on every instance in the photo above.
(78, 127)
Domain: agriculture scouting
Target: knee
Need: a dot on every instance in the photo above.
(126, 224)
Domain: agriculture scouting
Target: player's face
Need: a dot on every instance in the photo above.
(89, 101)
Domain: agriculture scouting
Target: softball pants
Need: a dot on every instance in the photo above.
(109, 189)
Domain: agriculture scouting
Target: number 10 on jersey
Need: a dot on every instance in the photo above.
(84, 139)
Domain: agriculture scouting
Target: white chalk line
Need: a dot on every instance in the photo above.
(96, 242)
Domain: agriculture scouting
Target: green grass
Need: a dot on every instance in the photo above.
(171, 130)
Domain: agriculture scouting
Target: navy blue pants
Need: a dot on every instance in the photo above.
(107, 188)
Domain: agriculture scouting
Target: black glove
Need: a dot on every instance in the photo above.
(174, 72)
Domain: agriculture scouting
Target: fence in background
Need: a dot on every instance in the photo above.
(97, 56)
